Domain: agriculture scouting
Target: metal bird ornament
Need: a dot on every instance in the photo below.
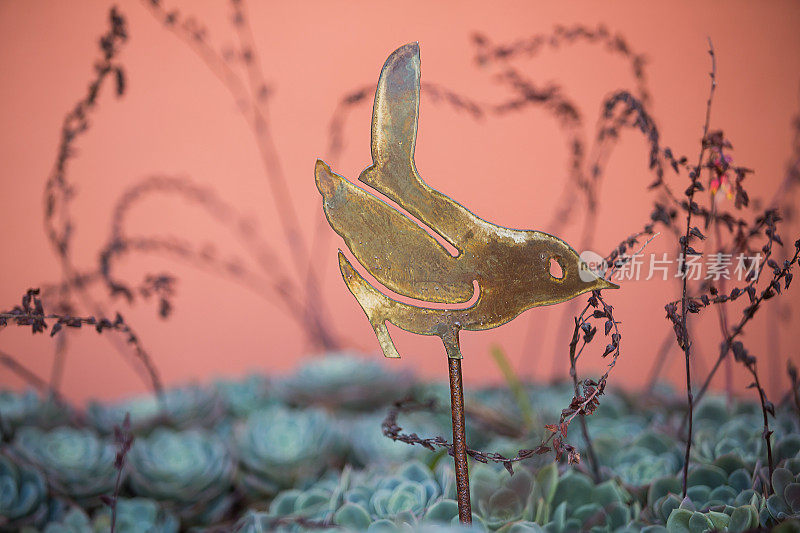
(508, 269)
(511, 267)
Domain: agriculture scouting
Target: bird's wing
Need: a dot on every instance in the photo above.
(394, 133)
(395, 250)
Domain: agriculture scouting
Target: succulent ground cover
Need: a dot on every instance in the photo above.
(289, 454)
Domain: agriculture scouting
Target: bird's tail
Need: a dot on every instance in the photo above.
(372, 301)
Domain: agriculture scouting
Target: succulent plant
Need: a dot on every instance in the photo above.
(784, 503)
(787, 447)
(586, 505)
(136, 515)
(293, 509)
(345, 381)
(500, 499)
(686, 519)
(76, 461)
(648, 456)
(240, 397)
(75, 520)
(29, 408)
(401, 497)
(23, 495)
(287, 463)
(741, 436)
(279, 448)
(16, 408)
(317, 503)
(409, 492)
(369, 446)
(181, 408)
(191, 470)
(257, 522)
(725, 483)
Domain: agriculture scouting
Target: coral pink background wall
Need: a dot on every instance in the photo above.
(177, 119)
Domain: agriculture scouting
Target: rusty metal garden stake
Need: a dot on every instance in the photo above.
(459, 441)
(506, 271)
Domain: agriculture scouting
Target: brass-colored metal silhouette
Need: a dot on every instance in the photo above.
(511, 267)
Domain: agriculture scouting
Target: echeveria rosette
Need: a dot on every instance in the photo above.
(316, 504)
(687, 519)
(190, 470)
(401, 497)
(279, 448)
(637, 462)
(740, 436)
(23, 495)
(499, 498)
(74, 520)
(181, 408)
(137, 515)
(240, 397)
(606, 504)
(345, 381)
(369, 446)
(77, 462)
(784, 503)
(502, 500)
(720, 430)
(17, 408)
(28, 409)
(727, 482)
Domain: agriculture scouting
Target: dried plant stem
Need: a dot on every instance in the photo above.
(794, 381)
(32, 314)
(660, 360)
(123, 438)
(573, 358)
(31, 378)
(59, 359)
(749, 313)
(251, 96)
(767, 434)
(683, 335)
(514, 385)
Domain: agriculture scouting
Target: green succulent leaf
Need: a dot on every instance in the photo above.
(708, 475)
(699, 522)
(743, 518)
(661, 487)
(781, 478)
(442, 511)
(791, 495)
(720, 521)
(678, 521)
(353, 517)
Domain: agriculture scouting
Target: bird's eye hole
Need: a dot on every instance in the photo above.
(556, 271)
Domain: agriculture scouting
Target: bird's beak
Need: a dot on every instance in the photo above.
(602, 283)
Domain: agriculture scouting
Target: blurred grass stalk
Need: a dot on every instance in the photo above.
(514, 385)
